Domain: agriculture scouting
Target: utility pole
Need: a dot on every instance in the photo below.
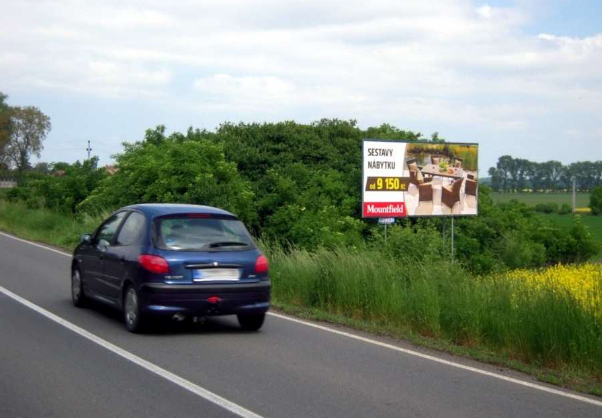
(574, 194)
(89, 149)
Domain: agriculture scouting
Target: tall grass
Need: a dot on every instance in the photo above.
(45, 225)
(442, 300)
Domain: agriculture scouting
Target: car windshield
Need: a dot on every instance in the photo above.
(204, 234)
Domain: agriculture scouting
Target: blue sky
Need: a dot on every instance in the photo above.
(519, 77)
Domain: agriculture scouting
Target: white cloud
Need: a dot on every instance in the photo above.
(131, 17)
(457, 63)
(245, 88)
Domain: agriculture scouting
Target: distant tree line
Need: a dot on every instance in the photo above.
(518, 174)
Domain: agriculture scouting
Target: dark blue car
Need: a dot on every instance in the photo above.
(181, 261)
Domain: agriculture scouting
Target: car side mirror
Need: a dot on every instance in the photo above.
(85, 239)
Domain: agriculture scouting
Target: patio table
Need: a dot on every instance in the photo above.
(451, 172)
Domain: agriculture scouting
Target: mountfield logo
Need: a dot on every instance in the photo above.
(385, 209)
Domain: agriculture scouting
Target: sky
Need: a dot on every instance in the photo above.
(519, 77)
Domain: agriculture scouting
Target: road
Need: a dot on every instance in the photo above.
(89, 365)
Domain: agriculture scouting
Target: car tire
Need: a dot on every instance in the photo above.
(251, 322)
(78, 294)
(132, 314)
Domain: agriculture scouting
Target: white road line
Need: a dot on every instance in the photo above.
(35, 244)
(443, 361)
(393, 347)
(183, 383)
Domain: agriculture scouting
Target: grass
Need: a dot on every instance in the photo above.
(44, 225)
(546, 333)
(535, 198)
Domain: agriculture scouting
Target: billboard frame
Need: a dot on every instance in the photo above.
(452, 215)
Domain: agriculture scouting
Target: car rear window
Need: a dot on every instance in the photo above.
(189, 233)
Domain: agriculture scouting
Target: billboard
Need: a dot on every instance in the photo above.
(413, 179)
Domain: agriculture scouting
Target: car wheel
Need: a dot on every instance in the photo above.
(78, 294)
(251, 322)
(134, 320)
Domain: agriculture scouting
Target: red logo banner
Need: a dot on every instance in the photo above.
(385, 209)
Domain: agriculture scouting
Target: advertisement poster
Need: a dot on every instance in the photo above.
(413, 179)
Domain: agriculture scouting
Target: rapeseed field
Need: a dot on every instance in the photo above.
(582, 282)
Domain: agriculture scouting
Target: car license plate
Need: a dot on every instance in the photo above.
(210, 275)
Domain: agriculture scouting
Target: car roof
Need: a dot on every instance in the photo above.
(161, 209)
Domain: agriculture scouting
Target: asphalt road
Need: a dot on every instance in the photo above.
(288, 369)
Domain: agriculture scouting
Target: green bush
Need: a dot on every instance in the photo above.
(412, 242)
(595, 200)
(519, 251)
(299, 184)
(63, 189)
(565, 209)
(173, 170)
(512, 235)
(549, 207)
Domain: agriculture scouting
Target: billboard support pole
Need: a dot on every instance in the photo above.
(452, 239)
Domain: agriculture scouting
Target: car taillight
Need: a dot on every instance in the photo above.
(154, 264)
(261, 264)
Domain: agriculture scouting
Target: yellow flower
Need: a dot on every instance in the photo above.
(583, 282)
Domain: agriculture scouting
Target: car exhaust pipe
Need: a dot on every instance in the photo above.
(179, 317)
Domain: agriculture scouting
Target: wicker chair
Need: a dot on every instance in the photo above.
(425, 192)
(409, 163)
(450, 195)
(417, 178)
(413, 179)
(471, 187)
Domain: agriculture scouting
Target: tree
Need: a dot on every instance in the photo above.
(595, 200)
(42, 167)
(566, 177)
(495, 179)
(4, 125)
(503, 167)
(536, 173)
(3, 104)
(522, 167)
(553, 173)
(598, 173)
(173, 171)
(28, 130)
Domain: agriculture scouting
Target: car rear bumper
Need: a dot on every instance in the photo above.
(206, 299)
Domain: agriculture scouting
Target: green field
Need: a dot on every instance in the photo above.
(535, 198)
